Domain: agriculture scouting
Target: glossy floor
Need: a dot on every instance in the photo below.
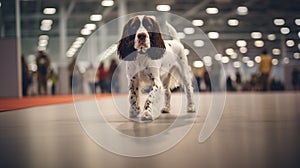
(256, 130)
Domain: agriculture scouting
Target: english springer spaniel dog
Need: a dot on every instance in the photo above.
(152, 61)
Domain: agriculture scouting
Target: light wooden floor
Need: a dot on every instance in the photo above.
(256, 130)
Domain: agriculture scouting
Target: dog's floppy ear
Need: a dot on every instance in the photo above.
(158, 47)
(126, 50)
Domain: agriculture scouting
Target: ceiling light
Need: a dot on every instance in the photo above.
(284, 30)
(259, 43)
(271, 37)
(212, 11)
(207, 60)
(296, 55)
(198, 43)
(96, 17)
(233, 22)
(242, 10)
(245, 59)
(241, 43)
(243, 50)
(45, 27)
(274, 61)
(85, 32)
(234, 56)
(257, 59)
(41, 48)
(286, 60)
(180, 35)
(256, 35)
(278, 22)
(163, 8)
(186, 51)
(229, 51)
(299, 34)
(43, 42)
(290, 43)
(276, 51)
(299, 46)
(218, 57)
(47, 22)
(80, 39)
(43, 37)
(107, 3)
(198, 22)
(225, 59)
(189, 30)
(213, 35)
(198, 64)
(90, 26)
(237, 64)
(49, 11)
(250, 63)
(297, 22)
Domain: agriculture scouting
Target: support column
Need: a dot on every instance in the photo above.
(122, 21)
(18, 40)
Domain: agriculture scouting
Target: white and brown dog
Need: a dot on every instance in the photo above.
(159, 63)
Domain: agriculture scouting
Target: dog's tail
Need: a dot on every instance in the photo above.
(172, 31)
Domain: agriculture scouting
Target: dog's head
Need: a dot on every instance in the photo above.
(141, 35)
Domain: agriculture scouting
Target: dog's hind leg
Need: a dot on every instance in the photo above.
(134, 92)
(166, 84)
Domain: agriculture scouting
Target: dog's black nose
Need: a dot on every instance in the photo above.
(141, 36)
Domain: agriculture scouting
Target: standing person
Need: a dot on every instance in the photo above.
(26, 79)
(71, 68)
(207, 80)
(91, 78)
(238, 81)
(113, 84)
(43, 72)
(265, 68)
(199, 73)
(54, 80)
(296, 79)
(102, 77)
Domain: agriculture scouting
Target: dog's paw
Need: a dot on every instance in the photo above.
(134, 112)
(147, 116)
(191, 108)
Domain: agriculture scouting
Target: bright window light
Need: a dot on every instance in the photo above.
(49, 11)
(198, 64)
(85, 32)
(284, 30)
(290, 43)
(212, 11)
(256, 35)
(276, 51)
(241, 43)
(279, 22)
(271, 37)
(233, 22)
(274, 61)
(242, 10)
(259, 43)
(90, 26)
(189, 30)
(96, 17)
(163, 8)
(213, 35)
(198, 22)
(198, 43)
(107, 3)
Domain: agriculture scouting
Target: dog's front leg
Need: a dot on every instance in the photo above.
(134, 97)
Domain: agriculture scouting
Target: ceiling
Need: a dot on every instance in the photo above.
(259, 18)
